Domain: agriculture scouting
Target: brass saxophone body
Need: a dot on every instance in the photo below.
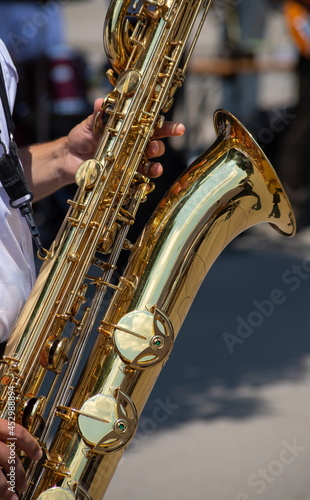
(229, 188)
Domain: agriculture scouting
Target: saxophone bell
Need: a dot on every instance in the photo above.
(229, 188)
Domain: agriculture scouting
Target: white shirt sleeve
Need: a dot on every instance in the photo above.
(17, 271)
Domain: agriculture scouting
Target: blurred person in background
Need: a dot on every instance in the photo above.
(244, 26)
(29, 29)
(294, 155)
(52, 75)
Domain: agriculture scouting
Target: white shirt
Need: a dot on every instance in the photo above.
(17, 271)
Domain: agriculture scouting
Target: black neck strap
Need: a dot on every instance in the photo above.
(5, 104)
(11, 173)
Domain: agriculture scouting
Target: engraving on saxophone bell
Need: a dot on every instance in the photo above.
(106, 423)
(144, 338)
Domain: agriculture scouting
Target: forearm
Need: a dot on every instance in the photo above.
(52, 165)
(43, 166)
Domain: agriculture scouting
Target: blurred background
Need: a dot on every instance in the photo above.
(229, 416)
(248, 60)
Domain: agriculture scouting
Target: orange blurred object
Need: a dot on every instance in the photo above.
(298, 18)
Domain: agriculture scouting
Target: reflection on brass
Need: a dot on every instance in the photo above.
(128, 81)
(88, 173)
(59, 494)
(127, 324)
(143, 339)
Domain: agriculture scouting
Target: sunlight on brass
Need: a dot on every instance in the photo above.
(151, 343)
(112, 426)
(57, 494)
(127, 82)
(88, 173)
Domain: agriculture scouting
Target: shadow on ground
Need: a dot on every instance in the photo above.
(232, 343)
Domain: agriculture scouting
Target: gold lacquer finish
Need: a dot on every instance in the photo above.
(229, 188)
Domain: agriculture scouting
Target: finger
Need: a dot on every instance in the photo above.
(155, 148)
(89, 121)
(12, 470)
(152, 170)
(155, 170)
(169, 129)
(6, 494)
(24, 440)
(98, 104)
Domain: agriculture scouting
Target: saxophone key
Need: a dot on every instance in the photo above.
(88, 173)
(75, 222)
(168, 105)
(94, 225)
(103, 265)
(128, 82)
(80, 299)
(143, 338)
(160, 121)
(58, 468)
(73, 257)
(77, 205)
(106, 242)
(101, 282)
(111, 76)
(55, 354)
(128, 283)
(126, 217)
(30, 414)
(107, 423)
(109, 156)
(58, 493)
(127, 245)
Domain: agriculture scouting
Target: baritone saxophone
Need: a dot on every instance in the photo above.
(90, 410)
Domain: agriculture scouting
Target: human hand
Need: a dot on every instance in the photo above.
(82, 142)
(12, 475)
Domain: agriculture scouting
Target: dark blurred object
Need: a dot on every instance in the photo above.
(67, 82)
(67, 87)
(51, 96)
(294, 154)
(29, 29)
(243, 30)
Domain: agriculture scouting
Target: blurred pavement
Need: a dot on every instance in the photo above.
(229, 416)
